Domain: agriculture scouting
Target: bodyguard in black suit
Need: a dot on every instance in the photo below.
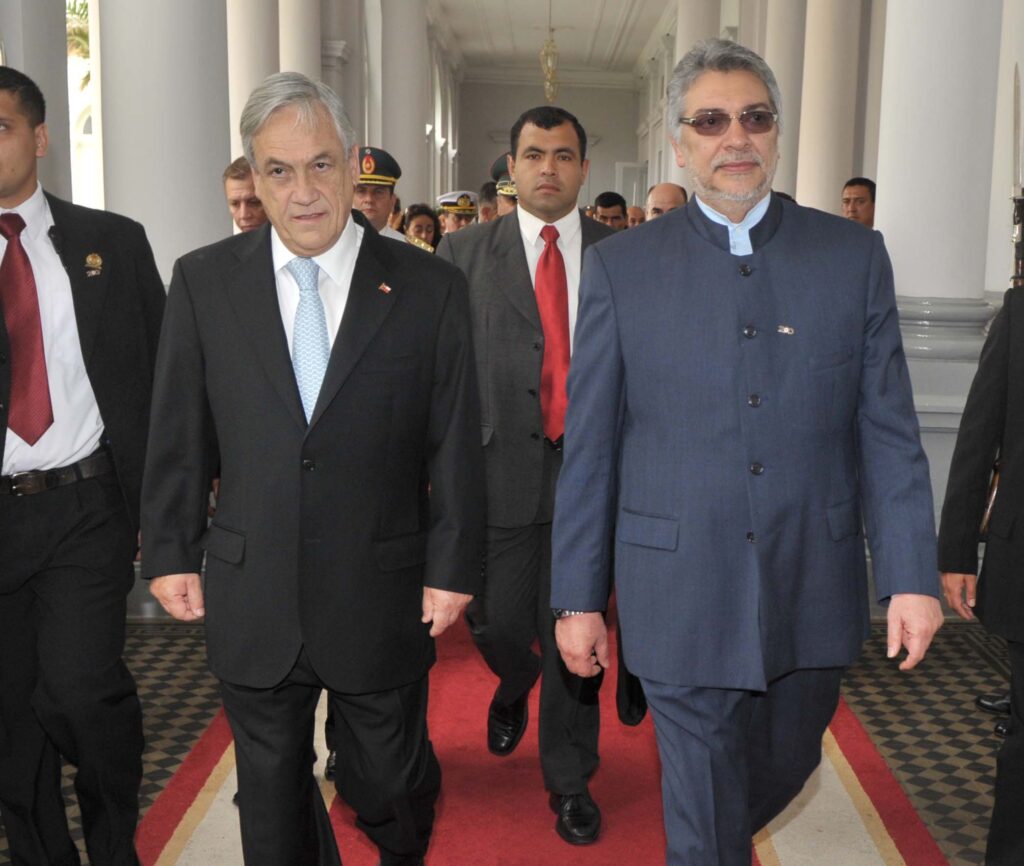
(993, 427)
(335, 368)
(505, 262)
(82, 302)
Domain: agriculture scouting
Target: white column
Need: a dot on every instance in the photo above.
(405, 94)
(695, 20)
(784, 53)
(752, 25)
(343, 56)
(252, 55)
(299, 22)
(35, 42)
(165, 143)
(828, 105)
(999, 257)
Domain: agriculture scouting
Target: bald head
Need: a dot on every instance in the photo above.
(664, 197)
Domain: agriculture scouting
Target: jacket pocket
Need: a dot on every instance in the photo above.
(843, 520)
(405, 551)
(226, 544)
(647, 530)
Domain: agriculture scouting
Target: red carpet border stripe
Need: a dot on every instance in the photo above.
(163, 817)
(901, 820)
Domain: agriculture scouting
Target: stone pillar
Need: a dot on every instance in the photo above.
(933, 199)
(35, 42)
(342, 56)
(252, 55)
(405, 94)
(784, 53)
(695, 20)
(165, 142)
(828, 104)
(299, 36)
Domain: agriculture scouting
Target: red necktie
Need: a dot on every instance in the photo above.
(552, 290)
(30, 414)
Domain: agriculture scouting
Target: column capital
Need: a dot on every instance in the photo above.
(944, 329)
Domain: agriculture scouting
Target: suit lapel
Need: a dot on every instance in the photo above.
(252, 289)
(365, 310)
(88, 260)
(511, 271)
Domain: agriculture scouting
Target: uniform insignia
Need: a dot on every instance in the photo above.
(369, 164)
(93, 265)
(464, 201)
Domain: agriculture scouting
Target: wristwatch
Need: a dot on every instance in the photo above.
(560, 613)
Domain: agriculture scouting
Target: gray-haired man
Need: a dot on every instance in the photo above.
(328, 566)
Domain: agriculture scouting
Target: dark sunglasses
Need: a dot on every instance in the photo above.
(753, 120)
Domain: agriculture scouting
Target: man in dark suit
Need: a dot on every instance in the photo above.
(992, 428)
(334, 370)
(523, 272)
(81, 301)
(739, 407)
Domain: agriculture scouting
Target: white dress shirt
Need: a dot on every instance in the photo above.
(77, 427)
(739, 233)
(336, 268)
(570, 244)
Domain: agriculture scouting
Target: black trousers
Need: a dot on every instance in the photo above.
(387, 771)
(1006, 830)
(515, 610)
(65, 572)
(732, 760)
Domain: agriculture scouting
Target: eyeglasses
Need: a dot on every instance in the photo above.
(753, 120)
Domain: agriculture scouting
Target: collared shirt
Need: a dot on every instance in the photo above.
(77, 427)
(336, 268)
(739, 233)
(570, 244)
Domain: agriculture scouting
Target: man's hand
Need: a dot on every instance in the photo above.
(180, 594)
(442, 608)
(583, 642)
(913, 621)
(958, 589)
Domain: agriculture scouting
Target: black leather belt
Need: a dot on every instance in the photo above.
(37, 480)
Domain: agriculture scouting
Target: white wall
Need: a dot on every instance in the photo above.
(607, 115)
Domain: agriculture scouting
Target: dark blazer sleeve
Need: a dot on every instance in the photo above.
(152, 294)
(455, 455)
(178, 458)
(977, 445)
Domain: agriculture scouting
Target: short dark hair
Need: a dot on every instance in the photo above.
(488, 192)
(610, 199)
(415, 210)
(862, 181)
(548, 117)
(30, 97)
(238, 170)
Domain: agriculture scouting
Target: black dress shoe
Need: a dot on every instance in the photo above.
(998, 704)
(579, 819)
(1002, 727)
(331, 766)
(505, 725)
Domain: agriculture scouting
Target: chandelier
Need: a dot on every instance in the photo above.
(549, 62)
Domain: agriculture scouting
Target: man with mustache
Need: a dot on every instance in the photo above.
(739, 409)
(524, 272)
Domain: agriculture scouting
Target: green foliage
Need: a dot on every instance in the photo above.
(77, 23)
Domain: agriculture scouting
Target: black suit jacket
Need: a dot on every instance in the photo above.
(509, 342)
(324, 534)
(118, 310)
(992, 426)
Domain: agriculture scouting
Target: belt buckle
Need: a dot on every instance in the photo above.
(16, 478)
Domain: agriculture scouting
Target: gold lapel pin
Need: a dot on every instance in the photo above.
(93, 264)
(385, 288)
(786, 329)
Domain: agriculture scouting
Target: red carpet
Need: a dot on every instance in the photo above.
(494, 812)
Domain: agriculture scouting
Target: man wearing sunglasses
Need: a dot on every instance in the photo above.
(739, 408)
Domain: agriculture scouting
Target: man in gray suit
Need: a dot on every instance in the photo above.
(739, 409)
(523, 272)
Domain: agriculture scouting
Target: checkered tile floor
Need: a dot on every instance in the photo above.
(939, 746)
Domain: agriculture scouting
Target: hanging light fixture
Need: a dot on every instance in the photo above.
(549, 62)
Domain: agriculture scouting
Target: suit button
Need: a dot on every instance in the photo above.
(754, 400)
(537, 347)
(535, 435)
(751, 537)
(309, 465)
(750, 332)
(746, 270)
(532, 392)
(756, 469)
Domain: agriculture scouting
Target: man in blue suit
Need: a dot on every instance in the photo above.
(739, 408)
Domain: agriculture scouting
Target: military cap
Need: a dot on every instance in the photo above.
(459, 201)
(501, 177)
(378, 167)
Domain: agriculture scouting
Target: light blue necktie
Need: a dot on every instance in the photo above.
(311, 348)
